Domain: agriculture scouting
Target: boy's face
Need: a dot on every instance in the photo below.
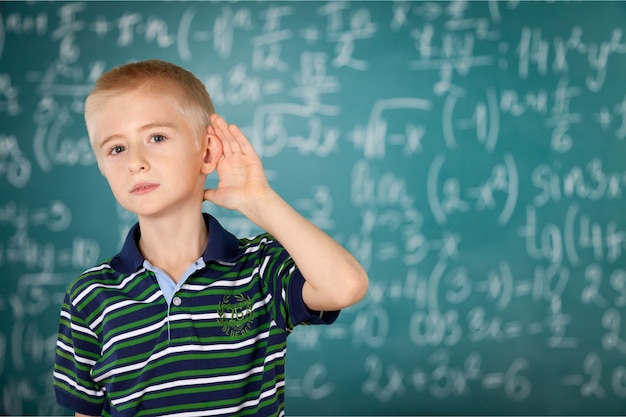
(146, 149)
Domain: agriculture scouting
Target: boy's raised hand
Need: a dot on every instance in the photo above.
(334, 278)
(242, 183)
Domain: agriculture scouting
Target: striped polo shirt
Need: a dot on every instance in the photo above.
(218, 348)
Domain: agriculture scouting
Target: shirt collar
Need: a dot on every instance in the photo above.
(222, 246)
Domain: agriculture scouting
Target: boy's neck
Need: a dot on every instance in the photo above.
(173, 244)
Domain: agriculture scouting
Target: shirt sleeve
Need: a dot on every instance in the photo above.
(287, 282)
(77, 351)
(299, 312)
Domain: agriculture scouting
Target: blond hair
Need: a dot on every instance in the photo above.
(195, 100)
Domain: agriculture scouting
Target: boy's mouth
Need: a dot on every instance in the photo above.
(143, 188)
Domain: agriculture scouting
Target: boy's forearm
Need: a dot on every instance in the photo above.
(334, 278)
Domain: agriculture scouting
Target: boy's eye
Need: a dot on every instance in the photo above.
(117, 149)
(157, 138)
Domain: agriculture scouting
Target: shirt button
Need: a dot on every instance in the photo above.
(177, 301)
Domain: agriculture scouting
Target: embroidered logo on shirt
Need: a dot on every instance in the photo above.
(236, 317)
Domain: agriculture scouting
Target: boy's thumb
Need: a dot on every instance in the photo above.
(208, 195)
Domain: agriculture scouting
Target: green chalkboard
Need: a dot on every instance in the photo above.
(471, 154)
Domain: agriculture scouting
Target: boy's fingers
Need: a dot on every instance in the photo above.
(227, 134)
(240, 138)
(238, 141)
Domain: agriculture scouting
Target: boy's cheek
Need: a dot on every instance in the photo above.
(102, 166)
(99, 163)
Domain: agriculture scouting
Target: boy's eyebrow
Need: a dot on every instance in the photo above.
(154, 125)
(147, 126)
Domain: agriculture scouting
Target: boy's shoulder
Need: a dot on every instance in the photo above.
(99, 275)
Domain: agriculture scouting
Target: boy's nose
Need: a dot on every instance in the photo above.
(137, 161)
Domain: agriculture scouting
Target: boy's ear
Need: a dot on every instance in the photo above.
(212, 152)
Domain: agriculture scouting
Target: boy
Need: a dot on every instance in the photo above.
(187, 319)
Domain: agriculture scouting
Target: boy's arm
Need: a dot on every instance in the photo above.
(334, 278)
